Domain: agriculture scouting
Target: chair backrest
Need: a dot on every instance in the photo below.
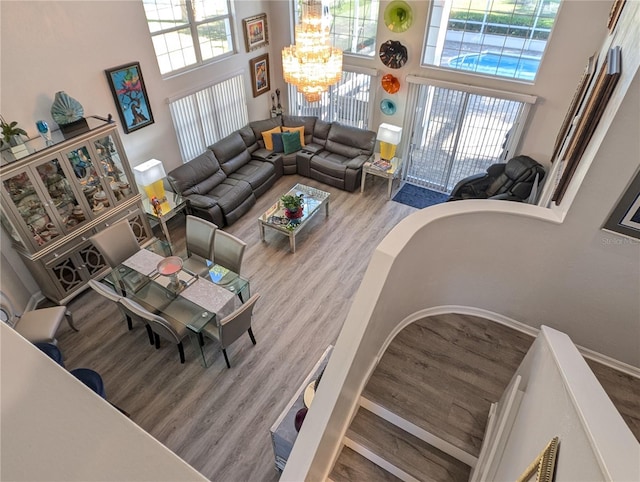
(200, 234)
(518, 177)
(228, 251)
(104, 290)
(116, 243)
(158, 324)
(234, 325)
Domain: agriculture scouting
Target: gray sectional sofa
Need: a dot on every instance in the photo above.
(223, 183)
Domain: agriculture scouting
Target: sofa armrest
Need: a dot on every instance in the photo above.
(357, 162)
(200, 201)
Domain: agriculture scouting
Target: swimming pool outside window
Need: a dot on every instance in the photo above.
(502, 38)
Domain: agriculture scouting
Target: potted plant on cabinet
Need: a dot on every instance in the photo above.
(11, 136)
(11, 132)
(293, 205)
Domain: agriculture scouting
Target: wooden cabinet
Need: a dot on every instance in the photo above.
(56, 198)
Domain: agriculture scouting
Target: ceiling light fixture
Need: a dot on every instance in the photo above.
(312, 64)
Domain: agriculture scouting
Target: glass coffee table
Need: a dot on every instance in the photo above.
(275, 218)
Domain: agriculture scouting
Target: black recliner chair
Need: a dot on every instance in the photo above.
(512, 181)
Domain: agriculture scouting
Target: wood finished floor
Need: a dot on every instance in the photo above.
(217, 419)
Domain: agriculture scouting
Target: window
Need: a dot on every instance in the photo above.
(204, 117)
(188, 32)
(346, 102)
(503, 38)
(459, 131)
(353, 24)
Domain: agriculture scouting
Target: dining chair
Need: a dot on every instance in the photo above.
(161, 327)
(111, 295)
(199, 237)
(37, 326)
(228, 251)
(231, 327)
(116, 243)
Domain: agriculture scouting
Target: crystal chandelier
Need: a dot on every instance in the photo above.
(312, 64)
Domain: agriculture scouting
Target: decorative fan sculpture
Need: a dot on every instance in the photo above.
(66, 109)
(390, 84)
(398, 16)
(393, 54)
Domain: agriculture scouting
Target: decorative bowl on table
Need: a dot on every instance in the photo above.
(170, 267)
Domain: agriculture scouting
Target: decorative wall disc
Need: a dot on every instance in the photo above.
(388, 107)
(398, 16)
(390, 84)
(393, 54)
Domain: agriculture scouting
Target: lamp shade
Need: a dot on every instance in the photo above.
(389, 133)
(149, 172)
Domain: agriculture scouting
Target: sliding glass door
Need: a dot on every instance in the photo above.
(457, 133)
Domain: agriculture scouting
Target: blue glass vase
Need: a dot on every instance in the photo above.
(43, 129)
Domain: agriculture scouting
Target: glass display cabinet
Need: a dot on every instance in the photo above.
(56, 198)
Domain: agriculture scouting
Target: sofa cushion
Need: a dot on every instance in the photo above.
(264, 125)
(256, 173)
(299, 130)
(231, 194)
(198, 176)
(249, 138)
(231, 152)
(321, 132)
(267, 139)
(291, 142)
(331, 164)
(276, 139)
(350, 141)
(308, 122)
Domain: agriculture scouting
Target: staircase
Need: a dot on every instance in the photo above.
(423, 413)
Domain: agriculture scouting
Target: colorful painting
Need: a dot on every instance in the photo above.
(625, 218)
(260, 80)
(127, 87)
(256, 34)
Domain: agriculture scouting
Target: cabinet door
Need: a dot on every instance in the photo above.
(90, 178)
(31, 206)
(110, 155)
(63, 199)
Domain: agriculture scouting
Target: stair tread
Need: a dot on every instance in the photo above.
(442, 375)
(353, 467)
(405, 451)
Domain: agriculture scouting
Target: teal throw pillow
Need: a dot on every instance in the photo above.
(276, 138)
(291, 142)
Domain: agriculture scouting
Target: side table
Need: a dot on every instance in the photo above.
(390, 174)
(176, 204)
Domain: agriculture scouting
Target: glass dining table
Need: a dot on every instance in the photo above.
(194, 301)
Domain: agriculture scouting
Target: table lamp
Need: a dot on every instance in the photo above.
(150, 176)
(389, 137)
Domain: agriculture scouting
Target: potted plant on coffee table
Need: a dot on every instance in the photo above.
(293, 205)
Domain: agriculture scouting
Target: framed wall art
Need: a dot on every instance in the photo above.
(625, 218)
(260, 79)
(130, 95)
(594, 104)
(255, 30)
(542, 469)
(614, 14)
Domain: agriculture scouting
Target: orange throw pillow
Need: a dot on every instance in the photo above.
(296, 129)
(266, 137)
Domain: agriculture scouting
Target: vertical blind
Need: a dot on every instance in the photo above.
(457, 132)
(347, 102)
(204, 117)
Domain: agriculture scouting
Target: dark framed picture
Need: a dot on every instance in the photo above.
(260, 80)
(625, 218)
(614, 14)
(574, 107)
(594, 104)
(256, 34)
(130, 94)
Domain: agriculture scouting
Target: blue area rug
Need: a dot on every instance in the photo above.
(419, 197)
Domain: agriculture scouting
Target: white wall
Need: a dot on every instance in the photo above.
(55, 428)
(526, 263)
